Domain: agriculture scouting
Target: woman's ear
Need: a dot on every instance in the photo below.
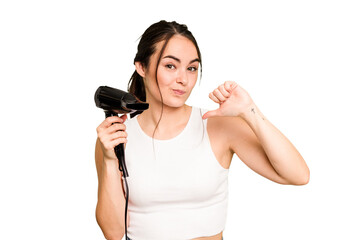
(140, 69)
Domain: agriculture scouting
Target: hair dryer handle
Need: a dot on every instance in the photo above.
(119, 149)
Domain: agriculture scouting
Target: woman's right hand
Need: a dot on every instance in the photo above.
(111, 132)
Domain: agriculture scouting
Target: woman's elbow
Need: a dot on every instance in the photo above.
(114, 236)
(109, 233)
(304, 180)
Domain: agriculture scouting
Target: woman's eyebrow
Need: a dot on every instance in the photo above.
(178, 60)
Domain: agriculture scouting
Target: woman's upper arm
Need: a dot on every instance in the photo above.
(246, 145)
(98, 158)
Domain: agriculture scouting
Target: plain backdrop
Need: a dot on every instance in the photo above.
(299, 60)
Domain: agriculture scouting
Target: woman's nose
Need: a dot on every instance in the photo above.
(182, 77)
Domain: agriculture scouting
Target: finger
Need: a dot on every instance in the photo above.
(104, 132)
(124, 117)
(223, 90)
(107, 139)
(118, 141)
(113, 119)
(211, 96)
(227, 85)
(107, 123)
(112, 144)
(209, 114)
(230, 85)
(219, 95)
(119, 134)
(116, 127)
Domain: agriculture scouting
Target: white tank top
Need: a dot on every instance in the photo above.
(177, 188)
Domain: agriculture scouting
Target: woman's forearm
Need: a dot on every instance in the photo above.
(111, 202)
(283, 156)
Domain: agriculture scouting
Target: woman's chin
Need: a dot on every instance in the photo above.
(174, 104)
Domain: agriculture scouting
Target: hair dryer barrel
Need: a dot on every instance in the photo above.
(112, 99)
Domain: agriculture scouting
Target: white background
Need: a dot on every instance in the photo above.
(299, 60)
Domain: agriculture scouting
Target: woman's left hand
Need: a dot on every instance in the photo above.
(233, 101)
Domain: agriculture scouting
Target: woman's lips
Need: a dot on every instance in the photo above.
(178, 92)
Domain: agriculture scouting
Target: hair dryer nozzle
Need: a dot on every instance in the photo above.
(118, 101)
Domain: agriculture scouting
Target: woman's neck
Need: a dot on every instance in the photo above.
(171, 120)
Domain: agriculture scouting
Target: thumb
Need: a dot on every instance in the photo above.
(124, 117)
(209, 114)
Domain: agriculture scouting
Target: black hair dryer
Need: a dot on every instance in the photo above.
(114, 101)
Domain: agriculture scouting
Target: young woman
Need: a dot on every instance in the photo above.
(178, 156)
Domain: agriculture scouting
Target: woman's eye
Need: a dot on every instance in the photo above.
(170, 66)
(192, 69)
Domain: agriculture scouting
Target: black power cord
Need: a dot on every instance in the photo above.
(126, 205)
(119, 152)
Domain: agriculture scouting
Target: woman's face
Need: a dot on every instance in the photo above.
(177, 72)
